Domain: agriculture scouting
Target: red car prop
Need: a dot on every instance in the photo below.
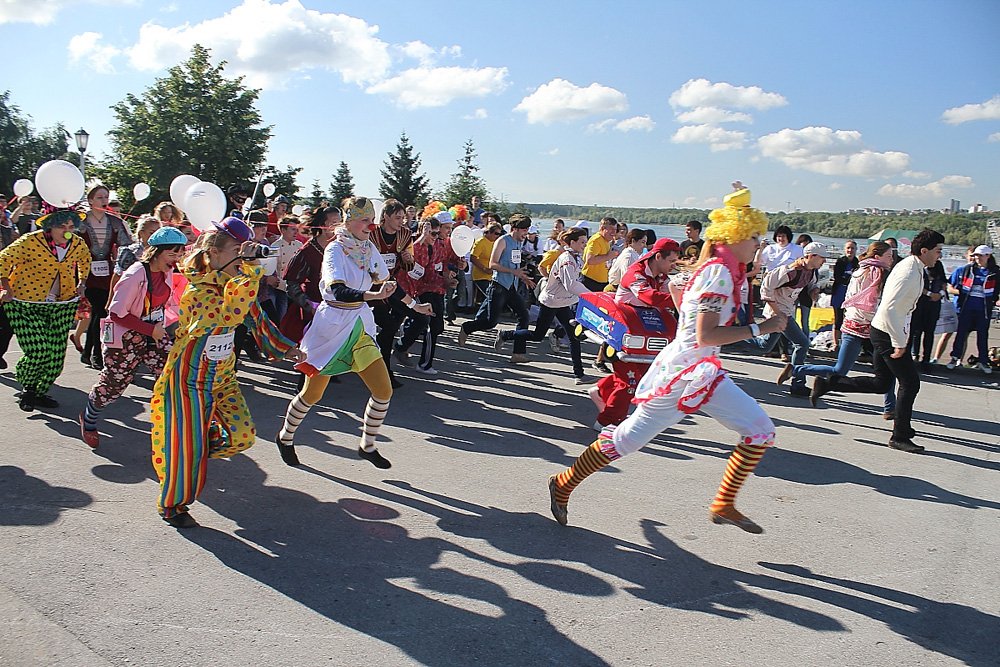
(634, 337)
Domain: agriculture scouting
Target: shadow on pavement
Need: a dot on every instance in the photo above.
(30, 501)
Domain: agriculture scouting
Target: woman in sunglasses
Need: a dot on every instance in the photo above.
(134, 332)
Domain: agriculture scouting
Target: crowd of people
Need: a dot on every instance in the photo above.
(343, 289)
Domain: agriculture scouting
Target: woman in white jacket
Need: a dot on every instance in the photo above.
(558, 301)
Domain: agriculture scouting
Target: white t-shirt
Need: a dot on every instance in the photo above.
(774, 255)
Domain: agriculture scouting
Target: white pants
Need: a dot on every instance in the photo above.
(729, 405)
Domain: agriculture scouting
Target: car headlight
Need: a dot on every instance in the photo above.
(630, 341)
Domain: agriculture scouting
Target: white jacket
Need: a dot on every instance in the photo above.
(899, 298)
(563, 287)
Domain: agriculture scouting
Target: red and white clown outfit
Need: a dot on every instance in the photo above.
(686, 377)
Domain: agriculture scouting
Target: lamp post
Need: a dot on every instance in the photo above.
(82, 138)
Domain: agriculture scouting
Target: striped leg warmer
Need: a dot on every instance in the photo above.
(741, 463)
(375, 413)
(592, 460)
(297, 411)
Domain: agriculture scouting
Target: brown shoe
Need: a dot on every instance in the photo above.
(519, 359)
(559, 512)
(889, 415)
(785, 373)
(730, 515)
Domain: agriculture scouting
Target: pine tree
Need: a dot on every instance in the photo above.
(317, 196)
(465, 183)
(401, 179)
(342, 186)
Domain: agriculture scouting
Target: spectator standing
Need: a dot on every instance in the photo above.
(842, 272)
(976, 287)
(692, 245)
(553, 242)
(287, 246)
(925, 317)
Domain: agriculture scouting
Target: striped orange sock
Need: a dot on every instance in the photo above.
(592, 460)
(741, 463)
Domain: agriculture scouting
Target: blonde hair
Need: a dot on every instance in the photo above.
(198, 260)
(144, 222)
(175, 217)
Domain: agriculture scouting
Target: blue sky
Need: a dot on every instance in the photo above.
(826, 105)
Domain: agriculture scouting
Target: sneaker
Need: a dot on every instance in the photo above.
(985, 368)
(601, 366)
(27, 400)
(559, 512)
(375, 458)
(933, 361)
(785, 373)
(426, 371)
(800, 391)
(498, 341)
(906, 446)
(182, 520)
(731, 516)
(553, 343)
(821, 386)
(91, 438)
(519, 359)
(463, 336)
(403, 357)
(583, 379)
(889, 415)
(951, 364)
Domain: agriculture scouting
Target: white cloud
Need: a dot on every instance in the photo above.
(87, 48)
(993, 137)
(713, 116)
(836, 186)
(830, 152)
(428, 55)
(554, 151)
(563, 101)
(703, 93)
(267, 42)
(717, 138)
(424, 87)
(478, 114)
(988, 110)
(936, 189)
(633, 124)
(909, 173)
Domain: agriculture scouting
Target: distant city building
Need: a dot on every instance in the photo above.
(977, 208)
(956, 206)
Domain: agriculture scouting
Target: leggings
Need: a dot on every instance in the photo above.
(431, 327)
(98, 299)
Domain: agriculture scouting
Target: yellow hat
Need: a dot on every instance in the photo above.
(736, 221)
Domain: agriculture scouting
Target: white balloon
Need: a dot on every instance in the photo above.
(59, 183)
(477, 233)
(205, 204)
(462, 240)
(269, 189)
(298, 209)
(379, 204)
(140, 191)
(179, 187)
(23, 187)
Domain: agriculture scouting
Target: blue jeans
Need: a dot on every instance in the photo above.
(850, 350)
(972, 318)
(798, 340)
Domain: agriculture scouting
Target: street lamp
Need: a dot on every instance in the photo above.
(82, 138)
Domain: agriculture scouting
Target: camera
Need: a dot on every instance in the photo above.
(262, 251)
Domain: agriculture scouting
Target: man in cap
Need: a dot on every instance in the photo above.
(976, 287)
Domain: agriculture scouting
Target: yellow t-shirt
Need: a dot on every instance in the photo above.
(548, 259)
(596, 247)
(481, 250)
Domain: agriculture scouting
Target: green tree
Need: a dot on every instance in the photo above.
(22, 149)
(401, 178)
(284, 183)
(192, 121)
(316, 195)
(465, 183)
(342, 186)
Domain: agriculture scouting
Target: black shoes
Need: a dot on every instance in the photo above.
(27, 400)
(375, 458)
(287, 452)
(85, 360)
(97, 362)
(182, 520)
(801, 391)
(906, 445)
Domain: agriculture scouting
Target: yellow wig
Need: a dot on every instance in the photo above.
(736, 221)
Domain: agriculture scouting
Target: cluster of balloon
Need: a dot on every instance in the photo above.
(202, 202)
(59, 183)
(23, 187)
(462, 239)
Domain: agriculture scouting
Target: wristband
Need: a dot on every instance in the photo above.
(754, 329)
(412, 303)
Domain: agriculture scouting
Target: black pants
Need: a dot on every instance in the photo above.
(545, 317)
(429, 327)
(922, 325)
(98, 299)
(6, 332)
(389, 315)
(593, 285)
(886, 368)
(499, 297)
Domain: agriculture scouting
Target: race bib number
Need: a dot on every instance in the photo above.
(220, 346)
(515, 257)
(439, 267)
(100, 268)
(108, 337)
(390, 261)
(417, 272)
(155, 315)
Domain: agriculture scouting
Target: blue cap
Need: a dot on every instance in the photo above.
(167, 236)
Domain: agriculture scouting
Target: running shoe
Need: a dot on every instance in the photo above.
(554, 342)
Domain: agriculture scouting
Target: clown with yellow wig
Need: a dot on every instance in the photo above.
(687, 375)
(341, 338)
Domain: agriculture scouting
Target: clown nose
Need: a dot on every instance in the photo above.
(68, 235)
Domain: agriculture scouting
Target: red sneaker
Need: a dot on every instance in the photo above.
(92, 438)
